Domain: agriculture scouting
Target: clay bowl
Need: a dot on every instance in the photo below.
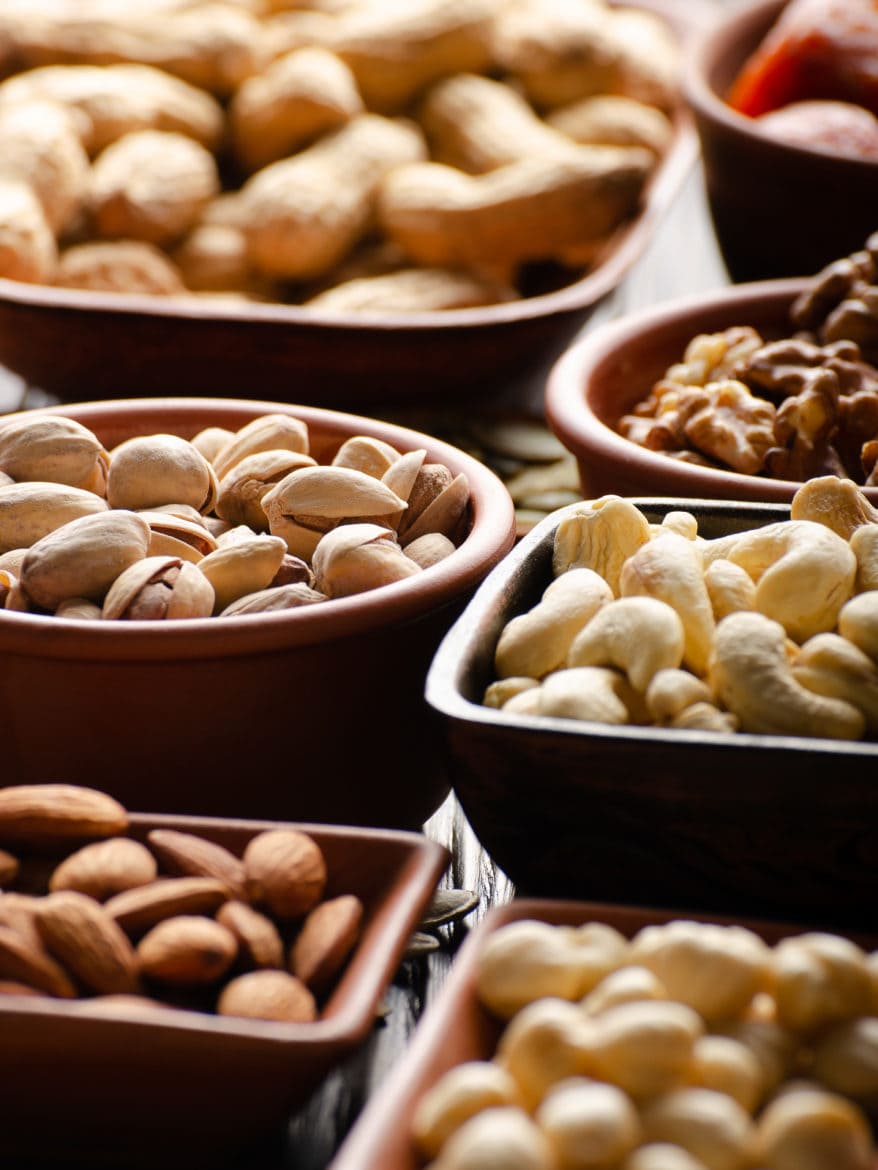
(605, 374)
(458, 1027)
(314, 714)
(177, 1087)
(778, 209)
(779, 826)
(62, 340)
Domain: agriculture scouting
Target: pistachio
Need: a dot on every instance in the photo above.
(175, 536)
(80, 609)
(83, 557)
(150, 470)
(8, 582)
(430, 482)
(293, 571)
(269, 432)
(443, 514)
(211, 441)
(242, 487)
(159, 589)
(29, 511)
(372, 456)
(241, 567)
(276, 598)
(10, 562)
(402, 477)
(429, 549)
(53, 449)
(355, 558)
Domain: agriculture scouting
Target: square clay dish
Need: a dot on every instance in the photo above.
(459, 1028)
(767, 825)
(180, 1087)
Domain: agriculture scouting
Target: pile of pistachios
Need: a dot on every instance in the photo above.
(225, 523)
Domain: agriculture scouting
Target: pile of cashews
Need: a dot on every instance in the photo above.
(773, 630)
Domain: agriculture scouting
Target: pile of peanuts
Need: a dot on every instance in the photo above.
(345, 155)
(690, 1046)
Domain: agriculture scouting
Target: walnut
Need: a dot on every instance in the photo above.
(711, 357)
(728, 423)
(842, 301)
(805, 427)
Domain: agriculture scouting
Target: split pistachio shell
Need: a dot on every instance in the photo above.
(429, 549)
(269, 432)
(53, 449)
(277, 598)
(242, 566)
(150, 470)
(175, 536)
(159, 588)
(79, 608)
(211, 441)
(29, 511)
(355, 558)
(361, 452)
(242, 487)
(83, 557)
(442, 514)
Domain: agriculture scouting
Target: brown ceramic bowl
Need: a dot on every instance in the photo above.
(174, 1087)
(64, 341)
(739, 823)
(779, 210)
(458, 1028)
(312, 714)
(607, 372)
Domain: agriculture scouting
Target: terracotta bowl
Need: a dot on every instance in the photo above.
(177, 1088)
(64, 340)
(739, 823)
(605, 374)
(779, 210)
(313, 714)
(458, 1028)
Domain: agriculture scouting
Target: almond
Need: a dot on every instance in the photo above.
(79, 932)
(10, 987)
(140, 909)
(18, 911)
(44, 814)
(23, 962)
(268, 995)
(285, 871)
(327, 937)
(193, 856)
(8, 868)
(259, 943)
(186, 950)
(104, 868)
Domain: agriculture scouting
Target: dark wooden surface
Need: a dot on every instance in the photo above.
(682, 260)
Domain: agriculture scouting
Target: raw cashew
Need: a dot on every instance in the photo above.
(669, 569)
(503, 1136)
(729, 588)
(545, 1043)
(640, 635)
(712, 1126)
(864, 545)
(536, 642)
(779, 558)
(588, 1123)
(810, 1129)
(465, 1090)
(671, 691)
(837, 503)
(585, 692)
(752, 676)
(497, 694)
(705, 717)
(600, 535)
(831, 665)
(858, 622)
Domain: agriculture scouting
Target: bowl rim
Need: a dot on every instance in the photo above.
(443, 689)
(491, 535)
(728, 33)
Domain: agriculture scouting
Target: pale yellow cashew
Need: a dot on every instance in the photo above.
(753, 678)
(729, 588)
(672, 691)
(864, 545)
(537, 642)
(601, 535)
(640, 635)
(831, 665)
(669, 569)
(837, 503)
(858, 622)
(705, 717)
(498, 693)
(780, 558)
(586, 692)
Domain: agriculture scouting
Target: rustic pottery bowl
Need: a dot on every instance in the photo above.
(778, 209)
(314, 714)
(458, 1028)
(606, 373)
(779, 826)
(62, 340)
(176, 1087)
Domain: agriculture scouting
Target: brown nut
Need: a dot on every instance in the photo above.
(259, 943)
(139, 909)
(48, 813)
(285, 871)
(187, 950)
(189, 855)
(88, 941)
(268, 995)
(327, 937)
(105, 868)
(24, 961)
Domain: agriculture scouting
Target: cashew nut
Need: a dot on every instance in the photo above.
(586, 692)
(601, 535)
(640, 635)
(729, 588)
(864, 545)
(498, 693)
(858, 622)
(465, 1090)
(705, 717)
(810, 1129)
(831, 665)
(536, 642)
(711, 1126)
(779, 557)
(837, 503)
(579, 1115)
(672, 691)
(683, 523)
(669, 568)
(753, 678)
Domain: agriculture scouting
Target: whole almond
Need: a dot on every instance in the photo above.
(286, 872)
(187, 950)
(259, 942)
(80, 933)
(41, 814)
(140, 909)
(327, 937)
(104, 868)
(8, 868)
(19, 912)
(23, 962)
(193, 856)
(10, 987)
(268, 995)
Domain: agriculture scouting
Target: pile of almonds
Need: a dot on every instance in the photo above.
(229, 523)
(176, 921)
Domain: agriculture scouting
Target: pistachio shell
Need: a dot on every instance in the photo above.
(429, 549)
(52, 449)
(159, 588)
(242, 487)
(29, 511)
(149, 470)
(79, 608)
(242, 567)
(371, 456)
(266, 433)
(442, 514)
(266, 600)
(175, 536)
(211, 441)
(358, 557)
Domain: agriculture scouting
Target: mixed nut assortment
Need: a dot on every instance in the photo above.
(772, 630)
(690, 1046)
(790, 408)
(174, 920)
(340, 154)
(229, 523)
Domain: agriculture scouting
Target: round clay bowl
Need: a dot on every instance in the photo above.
(779, 210)
(603, 376)
(312, 714)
